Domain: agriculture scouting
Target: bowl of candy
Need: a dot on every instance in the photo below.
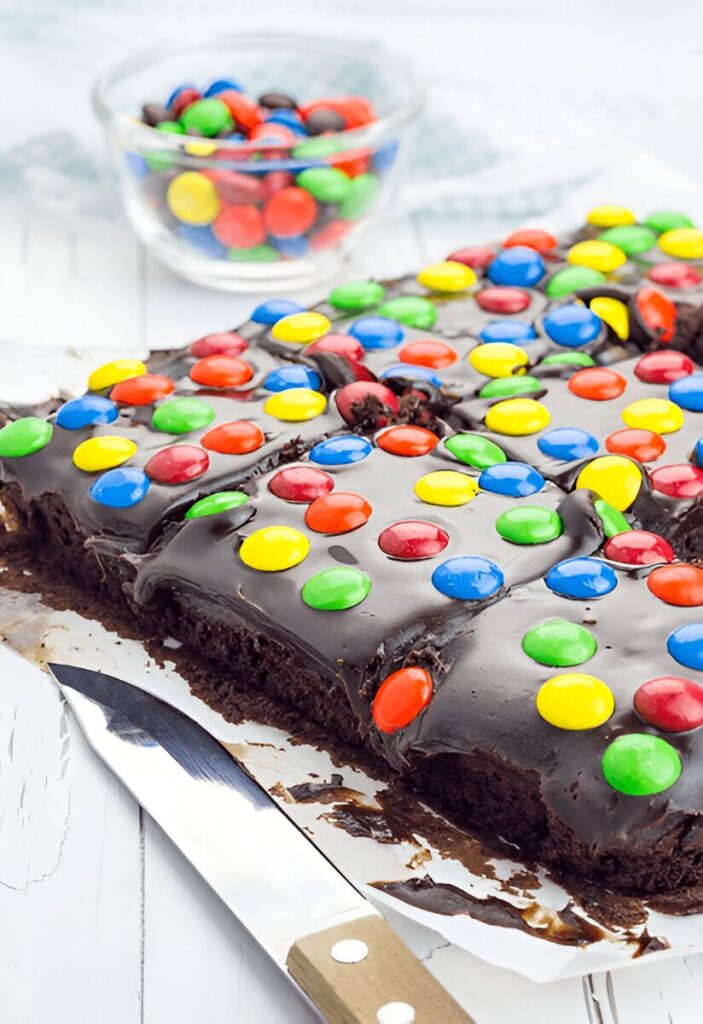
(255, 161)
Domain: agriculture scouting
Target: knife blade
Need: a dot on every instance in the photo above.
(295, 903)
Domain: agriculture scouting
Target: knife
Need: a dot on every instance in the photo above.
(311, 921)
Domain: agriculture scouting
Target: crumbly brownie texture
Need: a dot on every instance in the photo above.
(454, 519)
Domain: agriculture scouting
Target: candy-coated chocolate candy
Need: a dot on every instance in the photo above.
(515, 331)
(569, 359)
(221, 371)
(144, 390)
(239, 226)
(290, 212)
(667, 220)
(571, 279)
(680, 584)
(428, 352)
(475, 256)
(670, 703)
(220, 85)
(498, 359)
(517, 417)
(274, 548)
(674, 275)
(447, 276)
(468, 578)
(366, 400)
(614, 313)
(412, 539)
(597, 383)
(213, 504)
(200, 147)
(290, 119)
(112, 373)
(86, 411)
(181, 97)
(678, 481)
(356, 296)
(242, 108)
(208, 116)
(236, 188)
(341, 451)
(300, 328)
(685, 645)
(614, 478)
(446, 487)
(475, 450)
(411, 310)
(572, 325)
(658, 312)
(504, 300)
(529, 524)
(682, 243)
(657, 414)
(534, 238)
(238, 437)
(375, 332)
(582, 579)
(688, 392)
(518, 266)
(325, 120)
(575, 701)
(336, 589)
(401, 697)
(181, 415)
(511, 387)
(638, 547)
(639, 764)
(257, 254)
(340, 345)
(567, 443)
(326, 184)
(177, 464)
(514, 479)
(24, 437)
(193, 198)
(294, 376)
(120, 488)
(361, 196)
(273, 310)
(295, 405)
(103, 452)
(409, 372)
(597, 255)
(408, 441)
(697, 454)
(612, 521)
(559, 643)
(300, 484)
(338, 512)
(609, 215)
(663, 367)
(633, 239)
(330, 235)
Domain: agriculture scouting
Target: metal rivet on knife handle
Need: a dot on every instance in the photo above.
(379, 988)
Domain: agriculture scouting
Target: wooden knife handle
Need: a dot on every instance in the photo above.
(353, 971)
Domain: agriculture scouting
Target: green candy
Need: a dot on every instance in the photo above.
(667, 220)
(24, 437)
(362, 194)
(570, 279)
(356, 296)
(181, 415)
(559, 644)
(633, 239)
(161, 160)
(315, 148)
(221, 501)
(613, 520)
(326, 184)
(529, 524)
(474, 450)
(569, 359)
(257, 254)
(510, 387)
(411, 310)
(209, 117)
(334, 590)
(639, 764)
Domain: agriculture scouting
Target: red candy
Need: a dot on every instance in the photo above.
(663, 367)
(235, 187)
(338, 512)
(340, 345)
(177, 464)
(368, 398)
(221, 371)
(680, 584)
(670, 703)
(675, 275)
(331, 234)
(239, 227)
(401, 697)
(678, 481)
(290, 212)
(435, 354)
(274, 181)
(638, 547)
(658, 312)
(641, 445)
(217, 344)
(355, 162)
(144, 390)
(243, 109)
(597, 383)
(301, 484)
(183, 100)
(503, 299)
(235, 438)
(475, 256)
(356, 110)
(533, 238)
(407, 440)
(412, 539)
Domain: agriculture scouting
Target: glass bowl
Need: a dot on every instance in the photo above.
(211, 208)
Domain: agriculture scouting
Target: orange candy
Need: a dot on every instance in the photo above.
(221, 371)
(235, 438)
(427, 352)
(597, 383)
(641, 445)
(407, 440)
(533, 238)
(144, 390)
(658, 312)
(401, 697)
(680, 584)
(338, 512)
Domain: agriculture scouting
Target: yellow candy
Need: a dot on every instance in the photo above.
(104, 452)
(446, 487)
(300, 328)
(200, 147)
(193, 198)
(274, 548)
(607, 216)
(109, 374)
(575, 700)
(597, 255)
(498, 359)
(614, 313)
(682, 243)
(517, 417)
(295, 405)
(447, 276)
(613, 478)
(657, 414)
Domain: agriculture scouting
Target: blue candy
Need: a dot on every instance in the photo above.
(137, 165)
(688, 392)
(289, 119)
(295, 246)
(468, 577)
(202, 238)
(685, 645)
(572, 325)
(179, 89)
(120, 488)
(581, 578)
(567, 443)
(699, 452)
(294, 376)
(377, 332)
(405, 370)
(341, 451)
(516, 332)
(518, 266)
(273, 310)
(221, 85)
(385, 157)
(85, 411)
(514, 479)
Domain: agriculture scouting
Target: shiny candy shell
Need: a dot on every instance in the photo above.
(300, 328)
(567, 443)
(401, 697)
(295, 405)
(638, 547)
(597, 384)
(614, 313)
(682, 243)
(513, 479)
(609, 215)
(670, 703)
(221, 371)
(213, 504)
(633, 239)
(120, 488)
(377, 332)
(681, 480)
(688, 392)
(446, 487)
(103, 452)
(612, 521)
(408, 441)
(641, 445)
(341, 451)
(476, 256)
(273, 310)
(431, 353)
(301, 484)
(658, 313)
(667, 220)
(338, 512)
(412, 539)
(517, 266)
(86, 411)
(534, 238)
(144, 390)
(529, 524)
(112, 373)
(356, 296)
(294, 376)
(685, 645)
(24, 436)
(674, 275)
(475, 450)
(181, 415)
(614, 478)
(571, 279)
(518, 332)
(447, 276)
(680, 584)
(336, 589)
(575, 701)
(411, 310)
(559, 643)
(177, 464)
(582, 579)
(498, 359)
(656, 414)
(638, 764)
(192, 198)
(517, 417)
(340, 345)
(572, 325)
(663, 367)
(238, 437)
(503, 299)
(217, 344)
(468, 578)
(274, 548)
(511, 387)
(596, 255)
